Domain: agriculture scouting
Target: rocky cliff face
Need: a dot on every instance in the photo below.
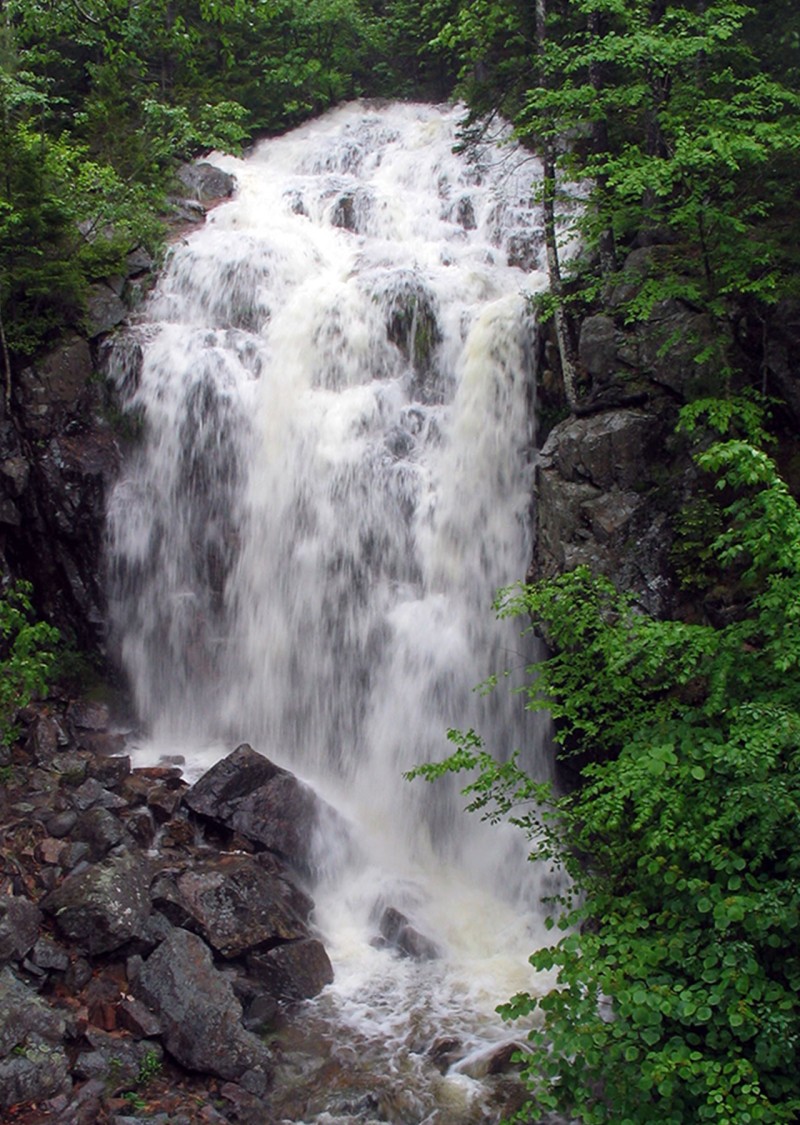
(613, 477)
(61, 446)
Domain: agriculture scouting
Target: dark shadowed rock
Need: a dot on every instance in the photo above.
(233, 902)
(268, 804)
(398, 932)
(19, 927)
(497, 1059)
(200, 1015)
(103, 907)
(100, 830)
(295, 971)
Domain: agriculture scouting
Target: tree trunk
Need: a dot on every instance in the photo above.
(563, 336)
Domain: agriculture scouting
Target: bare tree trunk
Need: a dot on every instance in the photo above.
(563, 339)
(6, 366)
(606, 244)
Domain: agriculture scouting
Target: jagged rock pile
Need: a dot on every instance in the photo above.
(148, 930)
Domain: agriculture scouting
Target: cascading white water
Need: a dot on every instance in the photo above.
(335, 477)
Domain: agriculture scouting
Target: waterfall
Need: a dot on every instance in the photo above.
(335, 380)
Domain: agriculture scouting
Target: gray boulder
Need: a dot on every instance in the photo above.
(19, 927)
(297, 970)
(199, 1013)
(234, 903)
(206, 182)
(104, 907)
(251, 795)
(33, 1064)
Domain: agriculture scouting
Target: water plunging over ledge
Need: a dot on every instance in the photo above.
(334, 479)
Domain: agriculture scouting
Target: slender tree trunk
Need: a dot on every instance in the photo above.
(6, 367)
(600, 144)
(563, 337)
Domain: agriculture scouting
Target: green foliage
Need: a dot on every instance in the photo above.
(149, 1068)
(99, 101)
(676, 122)
(678, 964)
(27, 656)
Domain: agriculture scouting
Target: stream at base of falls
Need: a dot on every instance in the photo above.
(335, 381)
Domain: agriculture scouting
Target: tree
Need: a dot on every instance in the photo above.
(672, 122)
(679, 961)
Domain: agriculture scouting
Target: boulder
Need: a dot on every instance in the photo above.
(19, 927)
(297, 970)
(233, 902)
(206, 182)
(33, 1064)
(251, 795)
(199, 1013)
(397, 931)
(104, 310)
(104, 907)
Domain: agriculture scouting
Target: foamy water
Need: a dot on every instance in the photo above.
(337, 384)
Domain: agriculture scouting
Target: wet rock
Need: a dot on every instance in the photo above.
(92, 792)
(44, 739)
(465, 213)
(524, 249)
(38, 1071)
(111, 771)
(72, 767)
(594, 480)
(351, 210)
(234, 903)
(297, 970)
(137, 1018)
(206, 182)
(200, 1014)
(85, 715)
(398, 932)
(163, 802)
(24, 1014)
(19, 927)
(249, 794)
(100, 830)
(105, 310)
(50, 388)
(493, 1060)
(412, 324)
(260, 1013)
(597, 347)
(104, 907)
(61, 824)
(140, 824)
(48, 954)
(33, 1064)
(116, 1059)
